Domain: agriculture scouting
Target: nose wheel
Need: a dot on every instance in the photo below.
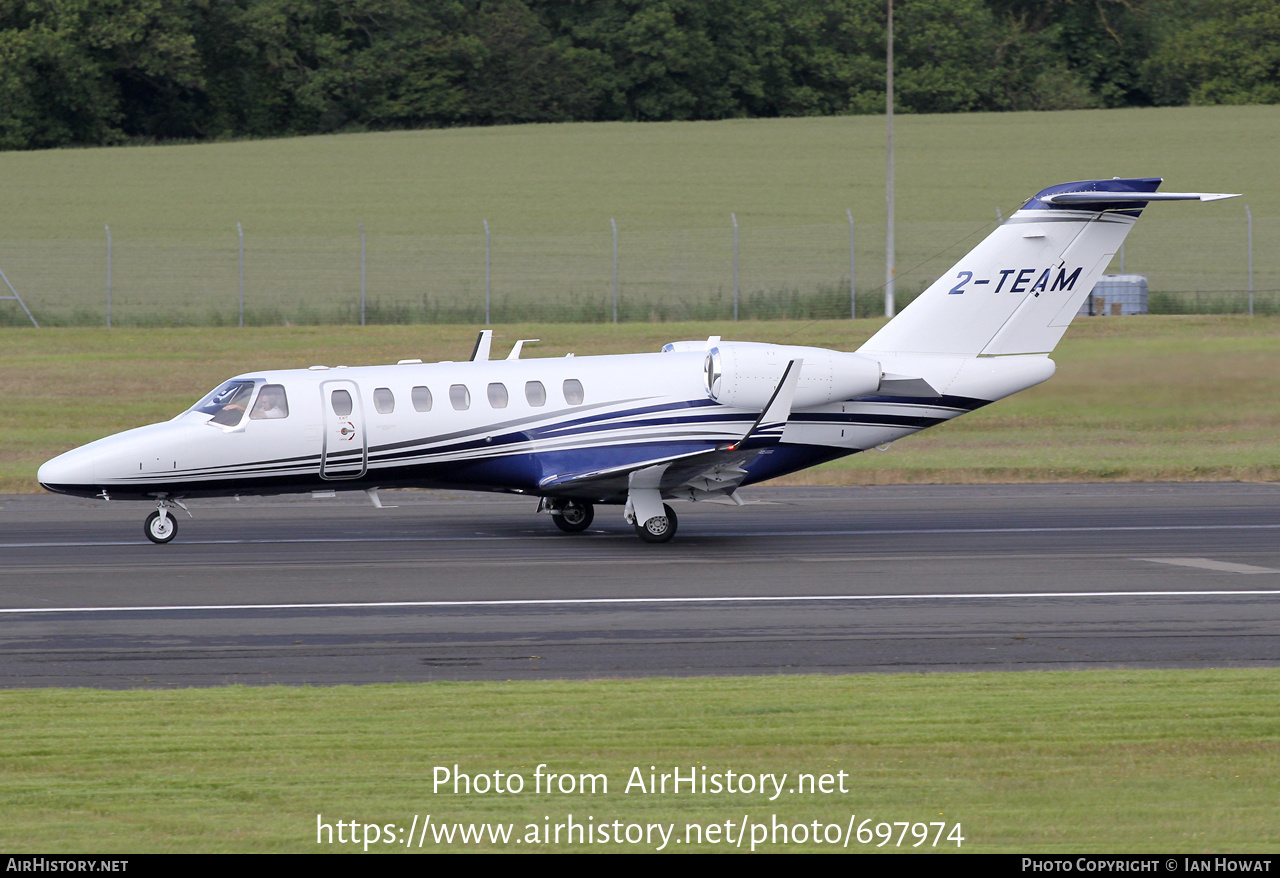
(160, 526)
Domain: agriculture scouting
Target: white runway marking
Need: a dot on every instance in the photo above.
(1210, 564)
(628, 535)
(570, 602)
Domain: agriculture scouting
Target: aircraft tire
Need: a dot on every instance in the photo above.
(574, 517)
(660, 528)
(160, 531)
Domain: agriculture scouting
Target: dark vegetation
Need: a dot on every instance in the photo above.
(92, 72)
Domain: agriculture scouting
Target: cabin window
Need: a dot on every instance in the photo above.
(460, 397)
(272, 403)
(573, 391)
(421, 397)
(498, 395)
(535, 393)
(227, 403)
(341, 402)
(384, 400)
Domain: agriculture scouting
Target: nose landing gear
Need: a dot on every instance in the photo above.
(160, 526)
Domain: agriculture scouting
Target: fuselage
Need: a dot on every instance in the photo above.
(502, 425)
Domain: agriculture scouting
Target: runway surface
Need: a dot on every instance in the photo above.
(456, 586)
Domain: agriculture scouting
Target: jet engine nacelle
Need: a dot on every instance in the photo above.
(745, 374)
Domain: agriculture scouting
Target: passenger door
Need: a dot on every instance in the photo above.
(344, 452)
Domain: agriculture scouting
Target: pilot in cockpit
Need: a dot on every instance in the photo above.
(271, 403)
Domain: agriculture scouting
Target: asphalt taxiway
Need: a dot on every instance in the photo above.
(461, 586)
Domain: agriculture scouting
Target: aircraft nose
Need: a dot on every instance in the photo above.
(67, 472)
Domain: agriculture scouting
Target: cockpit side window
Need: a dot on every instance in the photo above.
(272, 403)
(227, 404)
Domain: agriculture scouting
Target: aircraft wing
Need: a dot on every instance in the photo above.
(698, 475)
(704, 474)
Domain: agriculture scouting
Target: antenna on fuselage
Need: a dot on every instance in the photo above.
(484, 341)
(515, 351)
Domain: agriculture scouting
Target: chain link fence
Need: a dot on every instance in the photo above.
(1192, 265)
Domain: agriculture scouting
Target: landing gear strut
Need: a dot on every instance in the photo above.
(160, 526)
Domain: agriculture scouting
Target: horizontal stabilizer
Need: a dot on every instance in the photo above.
(1090, 198)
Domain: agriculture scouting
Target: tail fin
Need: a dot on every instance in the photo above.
(1016, 292)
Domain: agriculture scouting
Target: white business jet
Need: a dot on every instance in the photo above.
(694, 422)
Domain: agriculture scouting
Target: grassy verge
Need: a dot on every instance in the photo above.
(1156, 761)
(1142, 399)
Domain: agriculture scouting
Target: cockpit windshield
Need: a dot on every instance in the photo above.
(227, 404)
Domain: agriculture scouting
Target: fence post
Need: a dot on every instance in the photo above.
(240, 232)
(486, 272)
(108, 228)
(853, 298)
(614, 223)
(734, 217)
(362, 298)
(890, 258)
(1249, 216)
(17, 299)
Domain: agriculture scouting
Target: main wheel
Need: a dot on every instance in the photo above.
(160, 530)
(574, 517)
(658, 529)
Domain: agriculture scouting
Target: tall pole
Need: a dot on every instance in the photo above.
(240, 232)
(108, 228)
(734, 217)
(486, 273)
(614, 223)
(362, 252)
(1249, 216)
(889, 258)
(853, 299)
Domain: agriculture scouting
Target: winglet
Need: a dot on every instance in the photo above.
(484, 341)
(779, 408)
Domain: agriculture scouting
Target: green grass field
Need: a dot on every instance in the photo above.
(1135, 398)
(1120, 761)
(554, 179)
(549, 192)
(1104, 762)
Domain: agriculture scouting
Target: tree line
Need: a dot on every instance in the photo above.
(92, 72)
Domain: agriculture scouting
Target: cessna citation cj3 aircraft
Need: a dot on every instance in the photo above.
(694, 422)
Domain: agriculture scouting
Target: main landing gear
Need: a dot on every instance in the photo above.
(659, 528)
(574, 516)
(160, 526)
